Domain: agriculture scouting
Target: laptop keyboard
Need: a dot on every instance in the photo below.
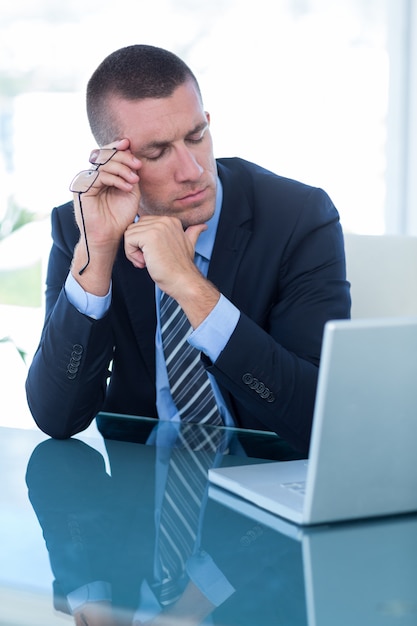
(297, 487)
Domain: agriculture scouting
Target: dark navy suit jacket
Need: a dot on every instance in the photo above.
(278, 256)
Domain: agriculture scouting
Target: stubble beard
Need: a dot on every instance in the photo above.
(197, 214)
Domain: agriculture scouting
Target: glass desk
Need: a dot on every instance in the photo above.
(84, 541)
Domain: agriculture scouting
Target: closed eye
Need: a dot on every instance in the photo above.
(157, 156)
(157, 150)
(194, 141)
(197, 137)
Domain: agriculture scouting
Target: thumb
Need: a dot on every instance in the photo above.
(193, 232)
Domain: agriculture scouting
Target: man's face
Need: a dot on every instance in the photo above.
(171, 137)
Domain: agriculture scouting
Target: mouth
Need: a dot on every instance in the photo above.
(194, 196)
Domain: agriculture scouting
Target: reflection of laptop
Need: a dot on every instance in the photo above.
(354, 573)
(363, 445)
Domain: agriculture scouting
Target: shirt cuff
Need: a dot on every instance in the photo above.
(86, 303)
(214, 332)
(207, 577)
(97, 591)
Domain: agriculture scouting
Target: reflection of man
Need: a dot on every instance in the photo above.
(103, 536)
(100, 530)
(255, 261)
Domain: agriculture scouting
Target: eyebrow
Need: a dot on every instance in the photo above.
(152, 145)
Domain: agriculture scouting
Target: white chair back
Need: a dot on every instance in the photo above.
(382, 270)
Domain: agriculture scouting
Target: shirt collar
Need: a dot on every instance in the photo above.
(205, 242)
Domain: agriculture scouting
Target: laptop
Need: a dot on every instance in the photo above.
(362, 457)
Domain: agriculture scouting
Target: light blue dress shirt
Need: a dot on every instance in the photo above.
(210, 337)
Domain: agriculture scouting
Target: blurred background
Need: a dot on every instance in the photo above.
(317, 90)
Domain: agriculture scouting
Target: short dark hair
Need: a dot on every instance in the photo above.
(134, 73)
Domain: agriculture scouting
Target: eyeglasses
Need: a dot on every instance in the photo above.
(83, 182)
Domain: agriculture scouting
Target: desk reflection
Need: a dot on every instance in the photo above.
(362, 573)
(120, 558)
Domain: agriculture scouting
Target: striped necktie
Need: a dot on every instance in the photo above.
(187, 479)
(190, 386)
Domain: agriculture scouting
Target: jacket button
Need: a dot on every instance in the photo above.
(247, 378)
(265, 393)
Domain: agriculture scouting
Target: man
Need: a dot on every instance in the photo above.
(255, 261)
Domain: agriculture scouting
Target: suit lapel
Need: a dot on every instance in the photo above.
(233, 232)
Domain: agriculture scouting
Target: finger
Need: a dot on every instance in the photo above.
(132, 249)
(104, 153)
(137, 258)
(120, 144)
(193, 232)
(80, 619)
(116, 175)
(99, 156)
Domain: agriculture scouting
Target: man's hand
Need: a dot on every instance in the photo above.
(191, 609)
(167, 251)
(109, 206)
(98, 614)
(161, 245)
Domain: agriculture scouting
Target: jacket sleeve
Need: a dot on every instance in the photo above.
(66, 382)
(269, 367)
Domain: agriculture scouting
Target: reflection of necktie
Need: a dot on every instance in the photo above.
(181, 507)
(190, 386)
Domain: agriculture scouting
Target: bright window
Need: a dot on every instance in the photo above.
(313, 89)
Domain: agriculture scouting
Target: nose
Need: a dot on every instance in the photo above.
(187, 166)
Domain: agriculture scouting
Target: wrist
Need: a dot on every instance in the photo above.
(198, 299)
(95, 277)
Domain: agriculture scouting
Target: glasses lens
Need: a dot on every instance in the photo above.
(86, 179)
(102, 156)
(83, 181)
